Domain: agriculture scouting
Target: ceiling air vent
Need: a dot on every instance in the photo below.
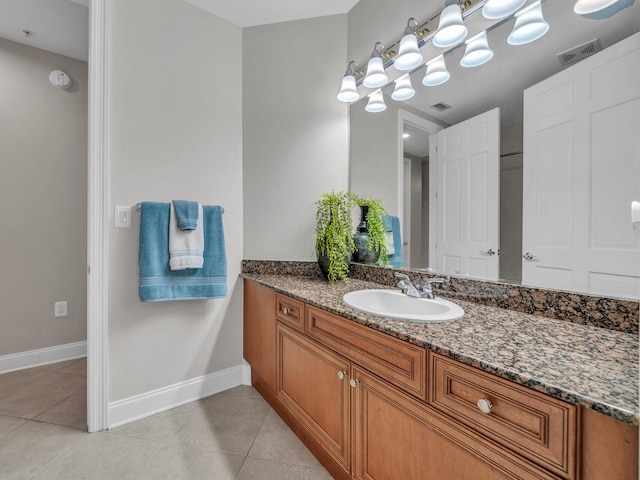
(441, 107)
(575, 54)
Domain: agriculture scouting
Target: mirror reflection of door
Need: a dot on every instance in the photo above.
(467, 196)
(582, 172)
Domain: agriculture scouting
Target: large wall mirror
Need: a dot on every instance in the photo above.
(401, 171)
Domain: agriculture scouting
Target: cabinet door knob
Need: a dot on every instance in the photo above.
(484, 405)
(286, 310)
(341, 375)
(353, 382)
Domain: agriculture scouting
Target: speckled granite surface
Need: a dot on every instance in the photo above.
(592, 367)
(594, 311)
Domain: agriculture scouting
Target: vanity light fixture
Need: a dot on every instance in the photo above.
(530, 25)
(600, 9)
(451, 29)
(583, 7)
(409, 56)
(477, 52)
(348, 92)
(376, 77)
(403, 89)
(376, 102)
(494, 9)
(436, 73)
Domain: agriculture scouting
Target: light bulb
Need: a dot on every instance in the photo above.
(376, 102)
(494, 9)
(530, 25)
(348, 92)
(477, 52)
(451, 29)
(409, 56)
(436, 73)
(403, 89)
(375, 74)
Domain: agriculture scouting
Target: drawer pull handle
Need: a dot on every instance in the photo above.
(353, 382)
(484, 405)
(286, 310)
(341, 375)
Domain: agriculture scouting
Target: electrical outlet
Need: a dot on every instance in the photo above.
(61, 309)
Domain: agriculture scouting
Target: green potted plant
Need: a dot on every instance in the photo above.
(334, 234)
(371, 236)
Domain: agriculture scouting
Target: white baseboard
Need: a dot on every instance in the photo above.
(246, 373)
(145, 404)
(42, 356)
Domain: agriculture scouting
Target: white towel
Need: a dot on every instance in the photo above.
(186, 247)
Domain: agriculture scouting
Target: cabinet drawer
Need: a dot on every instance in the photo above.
(398, 362)
(535, 425)
(290, 311)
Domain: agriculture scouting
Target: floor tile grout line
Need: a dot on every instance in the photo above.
(59, 455)
(48, 422)
(264, 419)
(241, 467)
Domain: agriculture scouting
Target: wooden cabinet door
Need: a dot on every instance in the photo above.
(259, 334)
(313, 384)
(399, 438)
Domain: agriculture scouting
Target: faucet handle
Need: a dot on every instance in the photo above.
(428, 284)
(402, 276)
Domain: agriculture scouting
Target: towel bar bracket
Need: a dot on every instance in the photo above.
(138, 205)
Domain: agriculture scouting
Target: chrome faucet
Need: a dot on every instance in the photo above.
(407, 286)
(418, 291)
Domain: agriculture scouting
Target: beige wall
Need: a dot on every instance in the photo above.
(295, 132)
(374, 151)
(175, 132)
(43, 199)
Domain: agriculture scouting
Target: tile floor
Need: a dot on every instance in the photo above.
(233, 435)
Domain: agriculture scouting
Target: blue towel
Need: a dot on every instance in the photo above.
(186, 214)
(157, 282)
(392, 224)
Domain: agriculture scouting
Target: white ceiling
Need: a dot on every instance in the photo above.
(249, 13)
(60, 26)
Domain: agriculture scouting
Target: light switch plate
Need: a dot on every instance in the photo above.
(123, 216)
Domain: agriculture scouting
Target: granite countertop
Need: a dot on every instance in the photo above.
(592, 367)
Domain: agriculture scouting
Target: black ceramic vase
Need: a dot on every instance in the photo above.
(363, 253)
(323, 263)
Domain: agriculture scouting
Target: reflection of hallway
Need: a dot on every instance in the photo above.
(55, 393)
(233, 435)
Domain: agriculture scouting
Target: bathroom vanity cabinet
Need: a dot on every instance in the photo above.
(372, 406)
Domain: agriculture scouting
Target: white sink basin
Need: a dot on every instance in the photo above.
(395, 304)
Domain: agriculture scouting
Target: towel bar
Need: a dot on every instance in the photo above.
(138, 207)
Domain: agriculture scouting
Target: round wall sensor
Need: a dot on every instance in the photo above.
(59, 79)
